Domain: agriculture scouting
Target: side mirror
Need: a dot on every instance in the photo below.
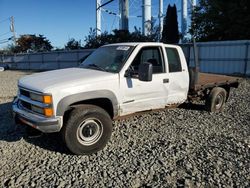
(145, 72)
(128, 73)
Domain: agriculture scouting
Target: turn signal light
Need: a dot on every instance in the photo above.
(48, 112)
(47, 99)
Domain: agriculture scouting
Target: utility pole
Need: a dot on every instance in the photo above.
(124, 12)
(12, 28)
(98, 17)
(146, 17)
(160, 19)
(183, 19)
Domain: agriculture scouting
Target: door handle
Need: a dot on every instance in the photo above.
(165, 80)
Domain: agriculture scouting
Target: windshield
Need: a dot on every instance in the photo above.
(108, 58)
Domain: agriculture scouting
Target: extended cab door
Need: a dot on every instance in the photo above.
(177, 74)
(140, 95)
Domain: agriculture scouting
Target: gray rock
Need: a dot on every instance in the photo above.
(169, 148)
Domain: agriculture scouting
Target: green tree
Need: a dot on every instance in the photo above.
(93, 41)
(73, 44)
(215, 20)
(170, 33)
(26, 43)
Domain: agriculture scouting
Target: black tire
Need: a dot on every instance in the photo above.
(216, 100)
(87, 130)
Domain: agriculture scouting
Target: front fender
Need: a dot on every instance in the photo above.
(65, 102)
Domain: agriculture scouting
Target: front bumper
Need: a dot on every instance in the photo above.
(43, 124)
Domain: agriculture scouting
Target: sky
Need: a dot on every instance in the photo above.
(61, 20)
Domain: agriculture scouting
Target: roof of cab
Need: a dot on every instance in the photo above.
(139, 43)
(132, 43)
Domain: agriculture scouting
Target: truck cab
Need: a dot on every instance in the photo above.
(169, 84)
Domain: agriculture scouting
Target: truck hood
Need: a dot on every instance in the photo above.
(42, 82)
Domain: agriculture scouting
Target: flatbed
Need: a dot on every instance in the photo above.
(206, 80)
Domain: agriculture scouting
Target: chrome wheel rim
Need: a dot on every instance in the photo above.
(89, 131)
(219, 101)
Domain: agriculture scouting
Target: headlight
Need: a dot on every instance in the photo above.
(47, 99)
(44, 111)
(39, 103)
(37, 109)
(36, 97)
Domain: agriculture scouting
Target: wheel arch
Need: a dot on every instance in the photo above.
(103, 98)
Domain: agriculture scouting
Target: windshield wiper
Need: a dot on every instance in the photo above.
(96, 66)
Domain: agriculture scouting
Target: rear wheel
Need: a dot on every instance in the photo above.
(87, 130)
(216, 100)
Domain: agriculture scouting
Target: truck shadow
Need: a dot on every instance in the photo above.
(9, 132)
(12, 132)
(192, 106)
(52, 142)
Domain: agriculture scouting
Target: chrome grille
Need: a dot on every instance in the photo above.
(24, 93)
(26, 103)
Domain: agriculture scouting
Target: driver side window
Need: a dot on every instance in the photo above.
(151, 55)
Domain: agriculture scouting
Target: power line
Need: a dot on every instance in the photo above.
(99, 16)
(131, 4)
(5, 33)
(5, 40)
(105, 24)
(110, 12)
(113, 23)
(5, 20)
(104, 4)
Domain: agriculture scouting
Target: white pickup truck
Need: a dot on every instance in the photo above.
(114, 81)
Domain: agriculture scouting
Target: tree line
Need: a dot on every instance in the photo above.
(212, 20)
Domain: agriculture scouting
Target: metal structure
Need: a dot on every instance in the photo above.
(223, 57)
(146, 17)
(98, 17)
(45, 60)
(12, 30)
(193, 3)
(124, 12)
(184, 19)
(160, 19)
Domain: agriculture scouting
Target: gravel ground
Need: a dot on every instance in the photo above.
(171, 148)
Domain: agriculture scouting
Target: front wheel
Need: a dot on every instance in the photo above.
(216, 100)
(87, 130)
